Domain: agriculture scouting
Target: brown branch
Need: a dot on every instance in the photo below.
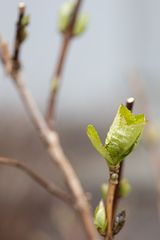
(67, 36)
(51, 140)
(55, 151)
(53, 146)
(112, 185)
(49, 187)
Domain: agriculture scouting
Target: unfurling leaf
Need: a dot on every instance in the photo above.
(96, 142)
(65, 16)
(100, 219)
(124, 134)
(122, 137)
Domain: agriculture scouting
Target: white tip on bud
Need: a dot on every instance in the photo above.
(22, 7)
(130, 100)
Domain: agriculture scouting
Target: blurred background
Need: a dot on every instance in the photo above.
(117, 57)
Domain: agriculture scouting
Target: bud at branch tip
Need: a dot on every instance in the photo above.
(22, 7)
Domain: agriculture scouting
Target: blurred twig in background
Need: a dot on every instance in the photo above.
(49, 138)
(67, 36)
(48, 186)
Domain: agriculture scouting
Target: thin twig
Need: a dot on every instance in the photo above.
(51, 140)
(48, 186)
(113, 182)
(17, 43)
(55, 151)
(67, 36)
(53, 146)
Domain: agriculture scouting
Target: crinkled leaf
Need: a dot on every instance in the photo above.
(124, 134)
(96, 142)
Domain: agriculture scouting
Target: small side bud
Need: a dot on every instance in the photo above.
(124, 189)
(80, 25)
(23, 28)
(104, 190)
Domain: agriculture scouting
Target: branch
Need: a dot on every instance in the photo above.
(67, 36)
(51, 140)
(49, 187)
(53, 146)
(109, 208)
(55, 151)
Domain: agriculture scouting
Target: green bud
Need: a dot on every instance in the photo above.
(65, 15)
(100, 219)
(80, 25)
(124, 189)
(104, 190)
(122, 137)
(23, 31)
(55, 84)
(25, 21)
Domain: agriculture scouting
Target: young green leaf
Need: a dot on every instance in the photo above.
(124, 134)
(96, 142)
(122, 137)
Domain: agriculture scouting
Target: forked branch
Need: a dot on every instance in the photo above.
(53, 147)
(48, 186)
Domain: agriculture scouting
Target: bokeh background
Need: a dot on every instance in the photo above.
(117, 57)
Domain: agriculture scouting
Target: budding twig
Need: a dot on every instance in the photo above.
(67, 36)
(17, 43)
(55, 151)
(113, 190)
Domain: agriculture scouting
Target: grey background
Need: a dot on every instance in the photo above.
(118, 54)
